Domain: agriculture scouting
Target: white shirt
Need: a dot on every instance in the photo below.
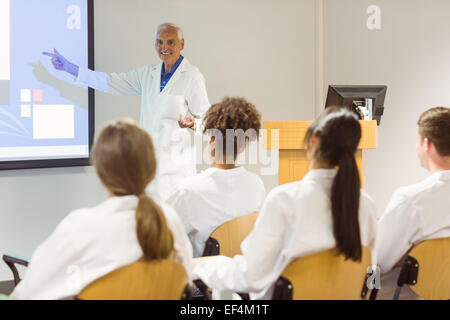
(160, 110)
(415, 213)
(90, 243)
(295, 221)
(213, 197)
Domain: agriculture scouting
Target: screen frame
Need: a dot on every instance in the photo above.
(68, 162)
(340, 95)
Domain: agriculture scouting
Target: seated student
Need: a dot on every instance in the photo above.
(420, 211)
(325, 210)
(128, 226)
(224, 191)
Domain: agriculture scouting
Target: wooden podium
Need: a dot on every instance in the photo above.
(293, 164)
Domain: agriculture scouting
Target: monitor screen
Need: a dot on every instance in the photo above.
(44, 120)
(359, 99)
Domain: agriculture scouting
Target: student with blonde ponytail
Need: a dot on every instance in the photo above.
(325, 210)
(128, 226)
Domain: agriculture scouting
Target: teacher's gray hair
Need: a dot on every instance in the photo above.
(166, 25)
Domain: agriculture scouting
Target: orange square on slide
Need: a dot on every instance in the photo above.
(37, 95)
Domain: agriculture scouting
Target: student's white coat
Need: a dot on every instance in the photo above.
(295, 220)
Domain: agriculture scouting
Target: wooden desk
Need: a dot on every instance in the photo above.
(293, 163)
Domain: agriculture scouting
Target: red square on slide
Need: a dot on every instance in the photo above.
(37, 95)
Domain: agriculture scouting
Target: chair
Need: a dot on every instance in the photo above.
(323, 276)
(142, 280)
(226, 239)
(427, 270)
(11, 261)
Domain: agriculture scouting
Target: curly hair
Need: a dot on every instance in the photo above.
(236, 119)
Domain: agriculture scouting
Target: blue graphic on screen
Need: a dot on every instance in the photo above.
(42, 115)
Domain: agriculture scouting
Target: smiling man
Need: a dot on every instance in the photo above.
(174, 100)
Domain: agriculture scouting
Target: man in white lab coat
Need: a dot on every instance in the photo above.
(417, 212)
(174, 99)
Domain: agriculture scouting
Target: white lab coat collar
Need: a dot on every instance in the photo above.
(237, 170)
(439, 175)
(183, 67)
(319, 174)
(122, 203)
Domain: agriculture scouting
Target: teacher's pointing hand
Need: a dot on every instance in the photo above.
(61, 63)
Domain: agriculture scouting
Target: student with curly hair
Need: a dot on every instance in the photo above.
(224, 191)
(325, 210)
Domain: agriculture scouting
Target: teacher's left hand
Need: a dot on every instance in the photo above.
(186, 123)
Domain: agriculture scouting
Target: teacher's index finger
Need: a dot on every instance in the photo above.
(49, 54)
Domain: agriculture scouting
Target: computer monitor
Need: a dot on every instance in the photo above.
(366, 101)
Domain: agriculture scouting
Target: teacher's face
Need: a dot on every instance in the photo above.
(168, 46)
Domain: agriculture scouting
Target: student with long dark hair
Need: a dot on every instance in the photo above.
(128, 226)
(325, 210)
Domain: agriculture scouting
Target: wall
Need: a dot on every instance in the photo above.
(410, 54)
(261, 49)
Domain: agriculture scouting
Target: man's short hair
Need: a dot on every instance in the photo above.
(434, 124)
(166, 25)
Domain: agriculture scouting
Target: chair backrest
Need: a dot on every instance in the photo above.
(142, 280)
(232, 233)
(433, 278)
(327, 276)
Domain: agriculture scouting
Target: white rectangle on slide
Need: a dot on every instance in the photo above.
(51, 121)
(4, 40)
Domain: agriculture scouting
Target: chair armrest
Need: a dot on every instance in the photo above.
(212, 248)
(188, 292)
(408, 275)
(204, 290)
(11, 262)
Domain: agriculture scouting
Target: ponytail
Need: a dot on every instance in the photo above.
(153, 233)
(345, 207)
(340, 132)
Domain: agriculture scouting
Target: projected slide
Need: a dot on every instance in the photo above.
(42, 116)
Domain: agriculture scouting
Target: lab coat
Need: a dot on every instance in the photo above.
(213, 197)
(295, 221)
(90, 243)
(185, 93)
(414, 214)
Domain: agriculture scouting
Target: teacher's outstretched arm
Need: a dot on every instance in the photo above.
(126, 83)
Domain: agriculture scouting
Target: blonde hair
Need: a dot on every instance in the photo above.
(124, 159)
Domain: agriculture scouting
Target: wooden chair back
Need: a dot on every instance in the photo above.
(232, 233)
(327, 276)
(433, 277)
(142, 280)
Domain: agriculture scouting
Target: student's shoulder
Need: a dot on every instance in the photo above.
(195, 183)
(364, 197)
(291, 190)
(75, 220)
(170, 213)
(413, 192)
(404, 198)
(253, 177)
